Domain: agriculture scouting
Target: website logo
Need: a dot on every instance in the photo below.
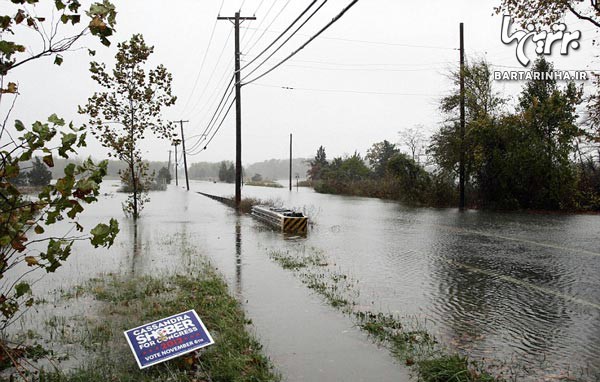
(545, 41)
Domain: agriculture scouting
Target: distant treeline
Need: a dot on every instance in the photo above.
(271, 169)
(113, 167)
(539, 156)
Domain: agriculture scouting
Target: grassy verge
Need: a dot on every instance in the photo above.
(264, 183)
(407, 339)
(126, 302)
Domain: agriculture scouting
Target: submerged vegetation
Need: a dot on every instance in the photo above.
(409, 339)
(123, 302)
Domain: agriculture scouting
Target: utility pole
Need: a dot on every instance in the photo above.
(236, 20)
(290, 162)
(187, 181)
(169, 166)
(176, 143)
(461, 204)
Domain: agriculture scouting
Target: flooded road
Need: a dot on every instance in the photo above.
(507, 287)
(517, 288)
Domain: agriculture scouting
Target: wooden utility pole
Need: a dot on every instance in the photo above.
(176, 143)
(461, 181)
(169, 166)
(236, 20)
(187, 181)
(290, 162)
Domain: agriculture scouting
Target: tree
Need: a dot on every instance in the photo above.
(227, 172)
(318, 165)
(102, 17)
(352, 168)
(132, 103)
(39, 175)
(550, 11)
(412, 180)
(164, 176)
(549, 113)
(482, 105)
(23, 222)
(379, 155)
(414, 139)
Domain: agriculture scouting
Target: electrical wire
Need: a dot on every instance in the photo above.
(270, 24)
(217, 129)
(404, 45)
(280, 35)
(255, 11)
(229, 89)
(287, 39)
(212, 35)
(333, 21)
(364, 69)
(213, 71)
(260, 22)
(346, 91)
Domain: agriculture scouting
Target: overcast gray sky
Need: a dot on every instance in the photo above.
(380, 69)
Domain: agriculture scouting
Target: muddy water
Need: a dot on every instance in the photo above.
(306, 339)
(517, 288)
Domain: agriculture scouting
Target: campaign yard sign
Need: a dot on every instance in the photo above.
(168, 338)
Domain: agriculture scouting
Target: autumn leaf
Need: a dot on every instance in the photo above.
(31, 261)
(48, 160)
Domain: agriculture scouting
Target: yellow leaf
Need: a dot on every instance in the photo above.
(31, 261)
(97, 23)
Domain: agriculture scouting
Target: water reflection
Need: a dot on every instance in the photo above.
(238, 255)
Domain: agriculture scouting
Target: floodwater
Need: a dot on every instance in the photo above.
(519, 288)
(511, 287)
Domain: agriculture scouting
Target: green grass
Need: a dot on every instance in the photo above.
(407, 340)
(452, 368)
(128, 302)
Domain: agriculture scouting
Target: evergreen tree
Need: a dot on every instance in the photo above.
(39, 175)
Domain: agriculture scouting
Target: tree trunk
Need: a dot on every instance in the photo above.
(132, 168)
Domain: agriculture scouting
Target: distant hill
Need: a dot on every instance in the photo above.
(275, 169)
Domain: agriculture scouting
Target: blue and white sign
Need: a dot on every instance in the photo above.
(168, 338)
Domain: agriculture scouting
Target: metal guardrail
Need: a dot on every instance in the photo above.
(287, 220)
(221, 199)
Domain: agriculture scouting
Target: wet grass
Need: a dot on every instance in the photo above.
(407, 338)
(125, 302)
(264, 183)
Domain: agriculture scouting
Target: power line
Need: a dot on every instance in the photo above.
(226, 95)
(287, 39)
(364, 69)
(216, 131)
(213, 71)
(214, 95)
(212, 34)
(385, 43)
(270, 24)
(346, 91)
(261, 21)
(333, 21)
(370, 64)
(281, 34)
(255, 11)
